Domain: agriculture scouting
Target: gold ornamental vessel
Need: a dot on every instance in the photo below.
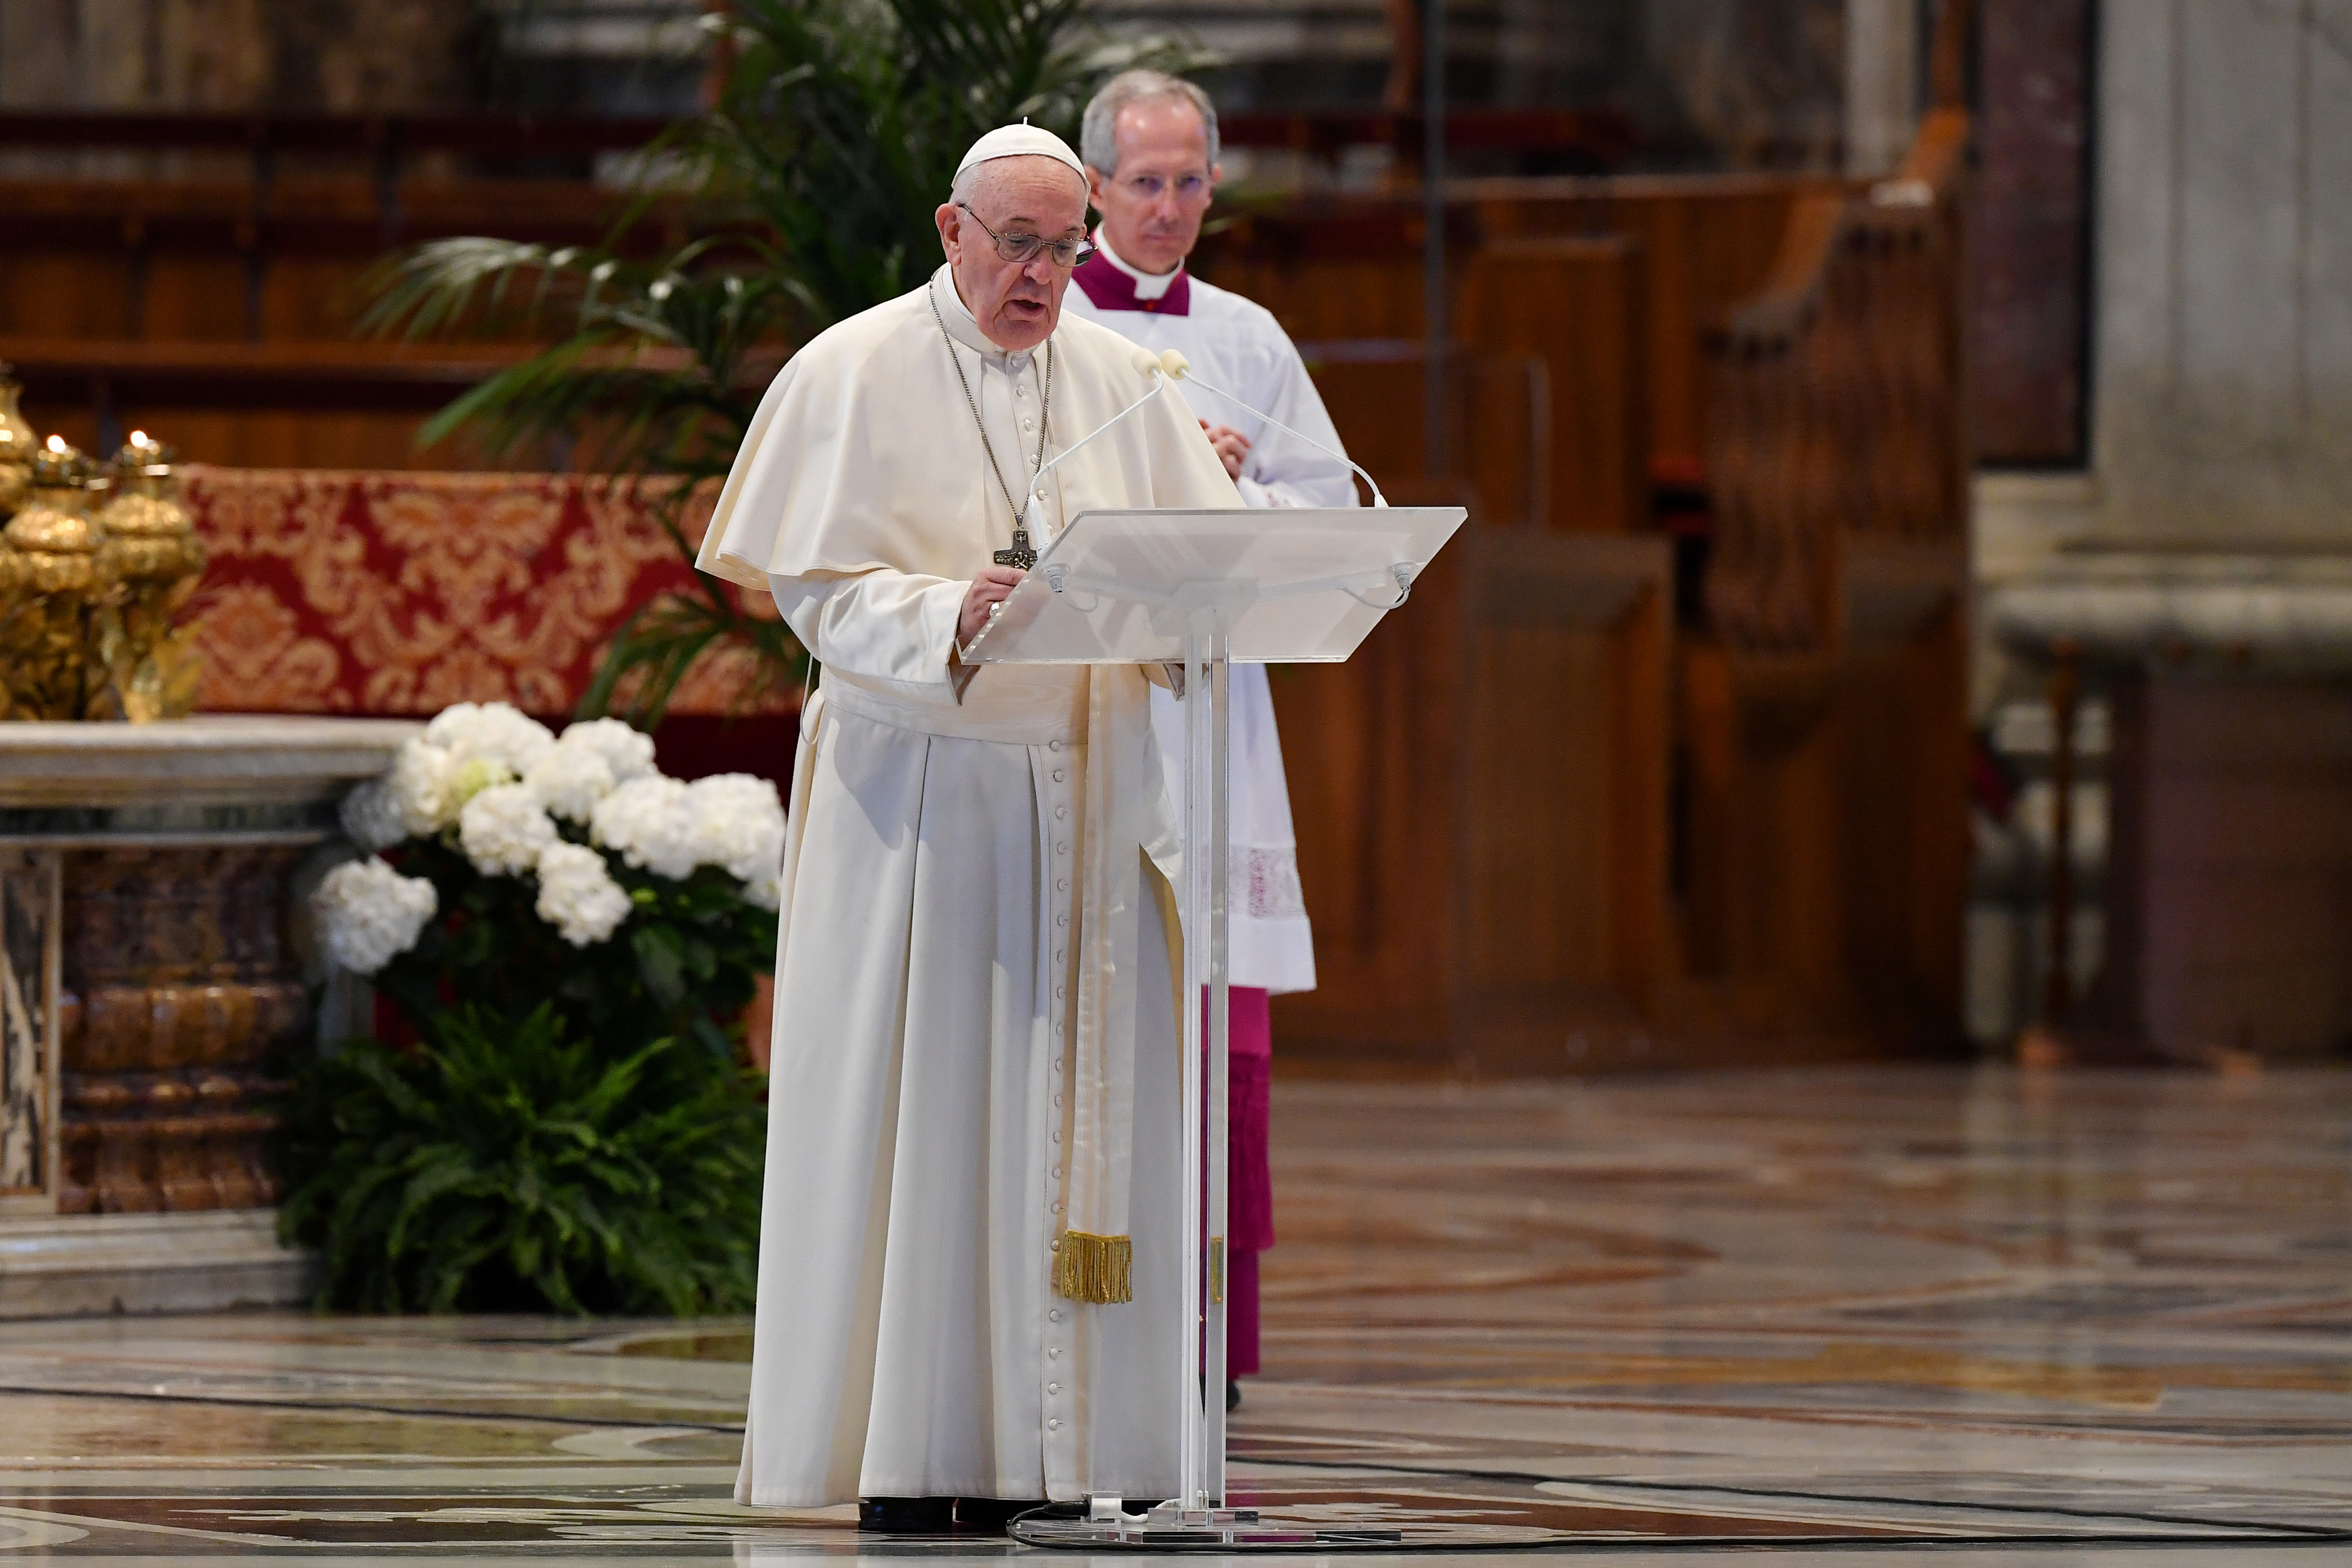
(17, 445)
(96, 567)
(52, 592)
(150, 550)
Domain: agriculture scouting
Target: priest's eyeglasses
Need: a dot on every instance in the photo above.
(1187, 187)
(1021, 250)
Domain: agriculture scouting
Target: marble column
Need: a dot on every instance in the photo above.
(1882, 84)
(2224, 351)
(2210, 582)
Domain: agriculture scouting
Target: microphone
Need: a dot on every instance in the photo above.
(1178, 368)
(1147, 364)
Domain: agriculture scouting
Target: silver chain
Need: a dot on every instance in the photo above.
(1044, 411)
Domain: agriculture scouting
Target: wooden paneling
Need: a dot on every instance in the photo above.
(1481, 812)
(1343, 273)
(1706, 244)
(222, 262)
(1497, 415)
(1699, 246)
(275, 438)
(144, 275)
(1578, 307)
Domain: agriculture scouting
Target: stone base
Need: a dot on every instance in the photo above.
(75, 1265)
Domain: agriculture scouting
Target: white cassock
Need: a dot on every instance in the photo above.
(976, 1040)
(1238, 345)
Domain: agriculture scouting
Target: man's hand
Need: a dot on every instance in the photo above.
(987, 589)
(1230, 445)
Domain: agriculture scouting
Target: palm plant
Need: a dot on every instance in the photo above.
(805, 194)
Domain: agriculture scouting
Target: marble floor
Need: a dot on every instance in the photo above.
(1840, 1318)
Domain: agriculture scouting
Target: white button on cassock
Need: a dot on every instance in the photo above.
(1055, 1424)
(1053, 1388)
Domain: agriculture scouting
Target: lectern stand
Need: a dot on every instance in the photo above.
(1197, 590)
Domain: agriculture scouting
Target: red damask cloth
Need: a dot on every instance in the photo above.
(399, 593)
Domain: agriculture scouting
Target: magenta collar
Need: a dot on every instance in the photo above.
(1110, 288)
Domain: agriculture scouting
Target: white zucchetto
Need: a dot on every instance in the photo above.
(1021, 140)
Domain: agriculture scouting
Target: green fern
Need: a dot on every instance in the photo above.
(504, 1167)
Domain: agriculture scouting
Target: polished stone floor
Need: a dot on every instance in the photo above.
(1842, 1317)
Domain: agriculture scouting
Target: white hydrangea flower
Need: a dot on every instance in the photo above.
(579, 897)
(629, 753)
(504, 830)
(738, 824)
(420, 788)
(767, 892)
(491, 731)
(371, 816)
(577, 894)
(368, 913)
(647, 821)
(470, 778)
(570, 779)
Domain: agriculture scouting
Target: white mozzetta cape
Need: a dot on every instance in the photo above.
(1237, 345)
(976, 1042)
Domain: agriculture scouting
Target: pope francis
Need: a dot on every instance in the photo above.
(970, 1231)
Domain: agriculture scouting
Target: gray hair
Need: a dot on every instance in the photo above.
(1099, 134)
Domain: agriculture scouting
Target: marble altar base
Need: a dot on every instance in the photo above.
(2228, 886)
(69, 1265)
(156, 987)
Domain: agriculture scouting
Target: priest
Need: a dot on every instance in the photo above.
(1150, 145)
(969, 1241)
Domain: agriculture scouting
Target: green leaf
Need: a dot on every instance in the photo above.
(505, 1164)
(661, 959)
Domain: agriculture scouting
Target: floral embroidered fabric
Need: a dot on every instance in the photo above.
(1265, 884)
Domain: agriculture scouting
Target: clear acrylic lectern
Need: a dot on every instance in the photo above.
(1203, 590)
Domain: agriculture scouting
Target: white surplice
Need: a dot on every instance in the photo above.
(958, 841)
(1238, 345)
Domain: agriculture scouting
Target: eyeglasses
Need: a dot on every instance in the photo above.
(1187, 187)
(1021, 250)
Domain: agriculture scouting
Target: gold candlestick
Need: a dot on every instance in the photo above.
(17, 445)
(52, 591)
(152, 550)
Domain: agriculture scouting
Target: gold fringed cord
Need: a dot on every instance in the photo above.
(1097, 1268)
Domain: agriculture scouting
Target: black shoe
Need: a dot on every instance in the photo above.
(991, 1515)
(906, 1515)
(1233, 1394)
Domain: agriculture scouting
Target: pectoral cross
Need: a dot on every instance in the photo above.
(1021, 556)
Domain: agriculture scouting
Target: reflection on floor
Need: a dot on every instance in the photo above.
(2028, 1320)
